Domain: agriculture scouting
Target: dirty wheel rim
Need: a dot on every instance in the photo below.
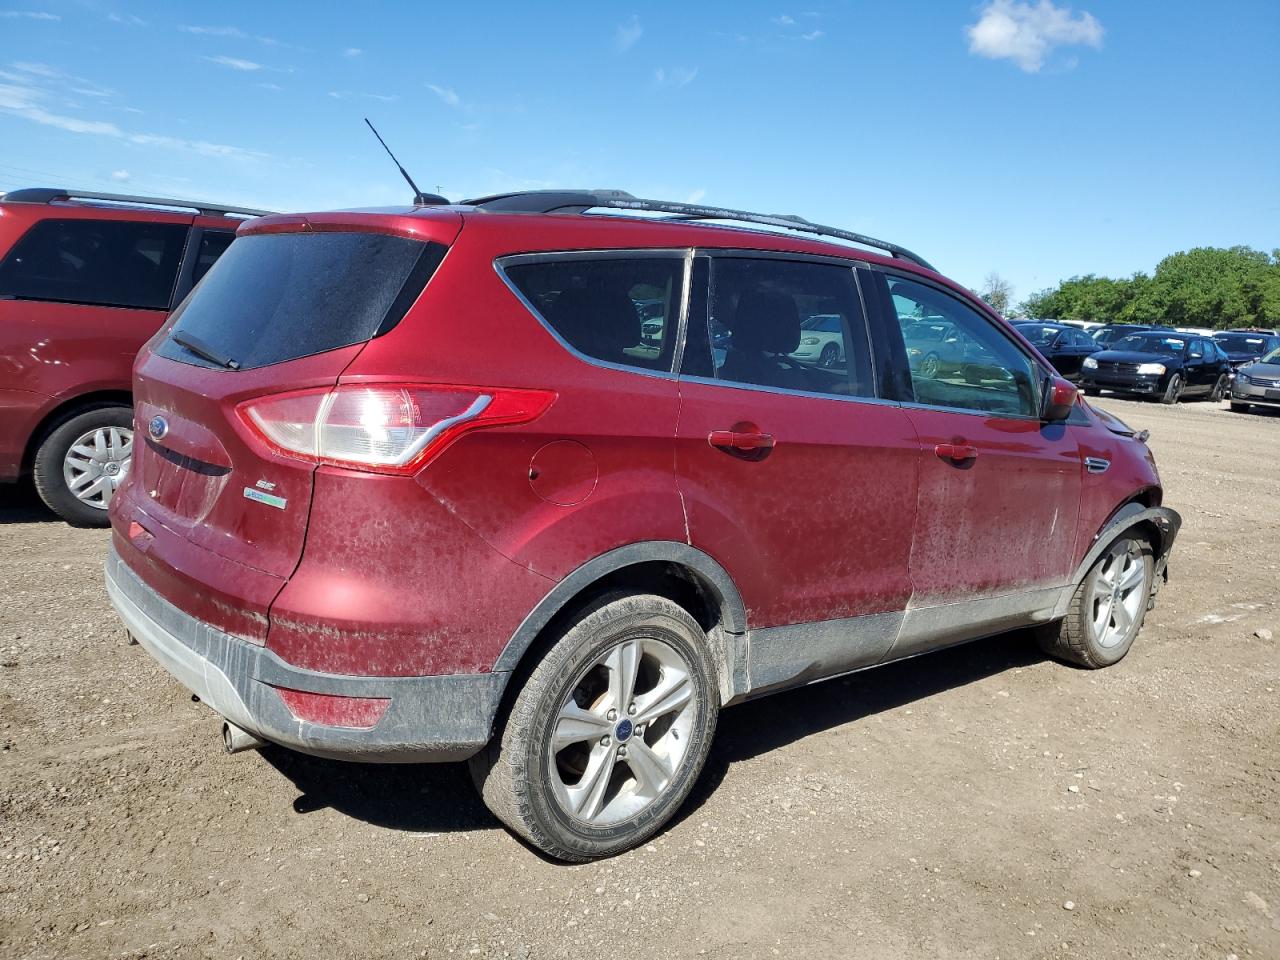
(1118, 593)
(97, 463)
(623, 732)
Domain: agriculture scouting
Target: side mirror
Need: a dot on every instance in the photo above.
(1196, 356)
(1058, 400)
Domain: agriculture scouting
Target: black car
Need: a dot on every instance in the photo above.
(1061, 344)
(1105, 336)
(1159, 364)
(1243, 347)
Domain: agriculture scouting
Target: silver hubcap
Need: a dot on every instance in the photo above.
(623, 731)
(1118, 594)
(97, 463)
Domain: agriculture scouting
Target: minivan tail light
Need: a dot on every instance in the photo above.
(384, 428)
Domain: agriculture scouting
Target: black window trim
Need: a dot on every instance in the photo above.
(684, 254)
(190, 256)
(852, 264)
(993, 320)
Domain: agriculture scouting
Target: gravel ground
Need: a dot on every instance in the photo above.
(980, 802)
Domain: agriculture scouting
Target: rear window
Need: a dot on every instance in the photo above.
(109, 263)
(281, 296)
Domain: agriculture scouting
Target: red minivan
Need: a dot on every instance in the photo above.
(543, 481)
(85, 279)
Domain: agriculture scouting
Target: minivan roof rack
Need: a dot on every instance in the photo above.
(579, 201)
(50, 194)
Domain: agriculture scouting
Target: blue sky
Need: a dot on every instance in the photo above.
(1038, 140)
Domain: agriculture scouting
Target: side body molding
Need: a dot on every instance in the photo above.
(728, 642)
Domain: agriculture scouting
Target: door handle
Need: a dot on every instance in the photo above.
(956, 452)
(745, 441)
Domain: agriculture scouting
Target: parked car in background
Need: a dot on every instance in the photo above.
(1063, 346)
(85, 280)
(446, 509)
(1243, 347)
(821, 340)
(1106, 335)
(1158, 364)
(1257, 382)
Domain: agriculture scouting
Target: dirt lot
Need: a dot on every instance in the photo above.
(981, 802)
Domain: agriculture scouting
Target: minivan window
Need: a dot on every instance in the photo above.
(110, 263)
(622, 310)
(213, 244)
(973, 366)
(281, 296)
(788, 324)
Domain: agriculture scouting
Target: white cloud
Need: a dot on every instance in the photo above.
(128, 19)
(1027, 33)
(234, 32)
(628, 33)
(812, 35)
(348, 94)
(786, 20)
(38, 69)
(270, 86)
(121, 176)
(352, 52)
(447, 94)
(675, 76)
(235, 63)
(28, 15)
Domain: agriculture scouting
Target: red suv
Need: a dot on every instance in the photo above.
(85, 279)
(530, 483)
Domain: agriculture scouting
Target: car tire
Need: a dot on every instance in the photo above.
(1220, 389)
(1094, 633)
(829, 357)
(574, 697)
(1173, 391)
(929, 366)
(1092, 392)
(1240, 407)
(91, 451)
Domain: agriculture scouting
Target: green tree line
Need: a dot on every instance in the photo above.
(1206, 287)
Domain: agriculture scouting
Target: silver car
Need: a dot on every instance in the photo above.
(1257, 383)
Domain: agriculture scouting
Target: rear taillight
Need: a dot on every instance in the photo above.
(384, 428)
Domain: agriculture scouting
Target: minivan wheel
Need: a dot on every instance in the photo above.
(1173, 391)
(78, 466)
(608, 734)
(1107, 609)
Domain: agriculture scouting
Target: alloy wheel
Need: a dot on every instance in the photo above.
(1118, 594)
(622, 732)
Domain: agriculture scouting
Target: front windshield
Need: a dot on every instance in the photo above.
(1150, 343)
(1241, 342)
(1040, 336)
(1272, 357)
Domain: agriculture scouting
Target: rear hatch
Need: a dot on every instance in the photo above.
(221, 518)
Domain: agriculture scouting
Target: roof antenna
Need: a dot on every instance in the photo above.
(420, 199)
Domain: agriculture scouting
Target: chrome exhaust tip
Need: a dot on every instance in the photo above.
(235, 740)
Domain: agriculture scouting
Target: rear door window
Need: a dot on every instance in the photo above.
(281, 296)
(110, 263)
(788, 324)
(623, 310)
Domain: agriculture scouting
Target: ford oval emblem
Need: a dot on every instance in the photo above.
(158, 428)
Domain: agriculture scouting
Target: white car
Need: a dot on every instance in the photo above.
(821, 341)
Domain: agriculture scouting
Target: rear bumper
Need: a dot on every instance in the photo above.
(440, 718)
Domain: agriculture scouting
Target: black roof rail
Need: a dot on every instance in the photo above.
(50, 194)
(579, 201)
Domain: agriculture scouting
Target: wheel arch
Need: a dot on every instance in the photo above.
(65, 410)
(677, 571)
(1160, 524)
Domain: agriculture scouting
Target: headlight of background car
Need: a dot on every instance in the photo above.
(810, 340)
(1090, 363)
(1241, 377)
(1156, 368)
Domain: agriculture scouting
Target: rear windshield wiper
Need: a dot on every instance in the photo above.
(203, 350)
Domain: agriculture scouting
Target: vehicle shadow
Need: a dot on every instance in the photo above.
(440, 798)
(19, 503)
